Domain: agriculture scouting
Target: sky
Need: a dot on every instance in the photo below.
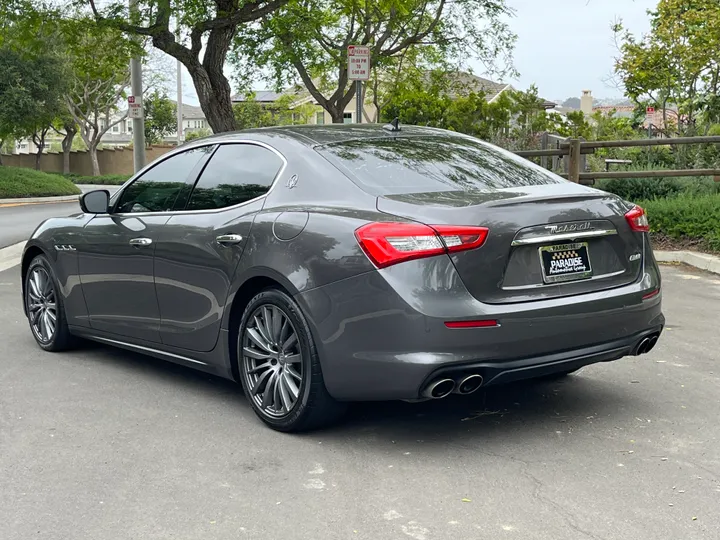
(563, 46)
(566, 46)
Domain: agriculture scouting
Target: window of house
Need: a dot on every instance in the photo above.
(116, 129)
(236, 173)
(129, 126)
(159, 188)
(320, 117)
(347, 118)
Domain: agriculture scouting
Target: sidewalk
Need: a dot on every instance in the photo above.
(63, 198)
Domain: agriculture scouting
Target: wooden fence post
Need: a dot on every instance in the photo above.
(574, 161)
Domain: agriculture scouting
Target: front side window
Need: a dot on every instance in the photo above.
(236, 173)
(158, 189)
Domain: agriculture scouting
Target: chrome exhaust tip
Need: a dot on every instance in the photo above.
(642, 346)
(468, 385)
(439, 389)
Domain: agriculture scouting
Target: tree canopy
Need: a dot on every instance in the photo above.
(307, 40)
(677, 62)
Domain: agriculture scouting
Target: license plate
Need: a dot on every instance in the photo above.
(567, 262)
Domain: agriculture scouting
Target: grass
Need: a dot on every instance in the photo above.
(16, 182)
(105, 180)
(686, 221)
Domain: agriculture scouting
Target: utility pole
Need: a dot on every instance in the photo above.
(179, 94)
(179, 104)
(358, 102)
(138, 116)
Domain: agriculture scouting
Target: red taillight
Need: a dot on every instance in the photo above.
(637, 218)
(471, 324)
(388, 243)
(651, 295)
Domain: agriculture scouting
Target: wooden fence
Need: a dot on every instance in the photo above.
(574, 151)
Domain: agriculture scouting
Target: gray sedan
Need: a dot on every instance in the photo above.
(318, 265)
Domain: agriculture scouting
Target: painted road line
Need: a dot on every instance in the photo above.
(11, 255)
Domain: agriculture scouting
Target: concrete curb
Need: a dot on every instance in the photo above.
(62, 198)
(703, 261)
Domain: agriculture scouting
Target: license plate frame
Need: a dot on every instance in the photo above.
(577, 271)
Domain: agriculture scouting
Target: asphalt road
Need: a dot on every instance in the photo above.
(17, 223)
(105, 444)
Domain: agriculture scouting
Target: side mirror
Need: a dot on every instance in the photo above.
(95, 202)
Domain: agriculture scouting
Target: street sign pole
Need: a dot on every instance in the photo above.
(359, 103)
(358, 71)
(136, 89)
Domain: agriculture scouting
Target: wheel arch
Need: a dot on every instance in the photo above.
(251, 285)
(28, 255)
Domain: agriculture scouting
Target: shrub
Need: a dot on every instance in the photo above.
(16, 182)
(689, 218)
(644, 189)
(105, 180)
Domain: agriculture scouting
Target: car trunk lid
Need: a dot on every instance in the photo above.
(566, 224)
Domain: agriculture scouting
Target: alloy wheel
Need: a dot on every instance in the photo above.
(41, 304)
(272, 360)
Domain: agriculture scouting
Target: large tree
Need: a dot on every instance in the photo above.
(98, 59)
(31, 91)
(307, 40)
(677, 62)
(206, 32)
(160, 117)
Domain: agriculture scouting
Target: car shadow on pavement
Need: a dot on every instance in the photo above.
(541, 408)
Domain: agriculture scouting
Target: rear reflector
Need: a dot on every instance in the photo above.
(471, 324)
(388, 243)
(638, 220)
(651, 295)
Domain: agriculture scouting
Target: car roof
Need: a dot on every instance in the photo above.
(319, 135)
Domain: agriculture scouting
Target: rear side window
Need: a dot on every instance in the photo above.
(236, 173)
(394, 166)
(158, 189)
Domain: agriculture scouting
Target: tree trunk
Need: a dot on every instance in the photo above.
(38, 155)
(337, 116)
(2, 144)
(66, 144)
(94, 159)
(214, 96)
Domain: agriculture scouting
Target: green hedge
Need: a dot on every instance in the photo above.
(687, 218)
(644, 189)
(105, 180)
(16, 182)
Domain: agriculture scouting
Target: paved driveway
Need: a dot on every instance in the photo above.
(105, 444)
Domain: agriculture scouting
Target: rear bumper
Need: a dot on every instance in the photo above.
(540, 366)
(380, 337)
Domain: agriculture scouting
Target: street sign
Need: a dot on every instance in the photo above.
(358, 63)
(650, 110)
(135, 108)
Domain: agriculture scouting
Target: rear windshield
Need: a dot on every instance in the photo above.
(395, 166)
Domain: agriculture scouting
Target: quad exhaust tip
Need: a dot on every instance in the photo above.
(468, 385)
(439, 388)
(646, 344)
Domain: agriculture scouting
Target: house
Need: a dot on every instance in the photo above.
(655, 119)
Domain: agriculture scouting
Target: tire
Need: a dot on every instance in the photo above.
(42, 287)
(281, 376)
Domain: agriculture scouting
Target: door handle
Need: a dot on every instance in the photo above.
(227, 239)
(140, 242)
